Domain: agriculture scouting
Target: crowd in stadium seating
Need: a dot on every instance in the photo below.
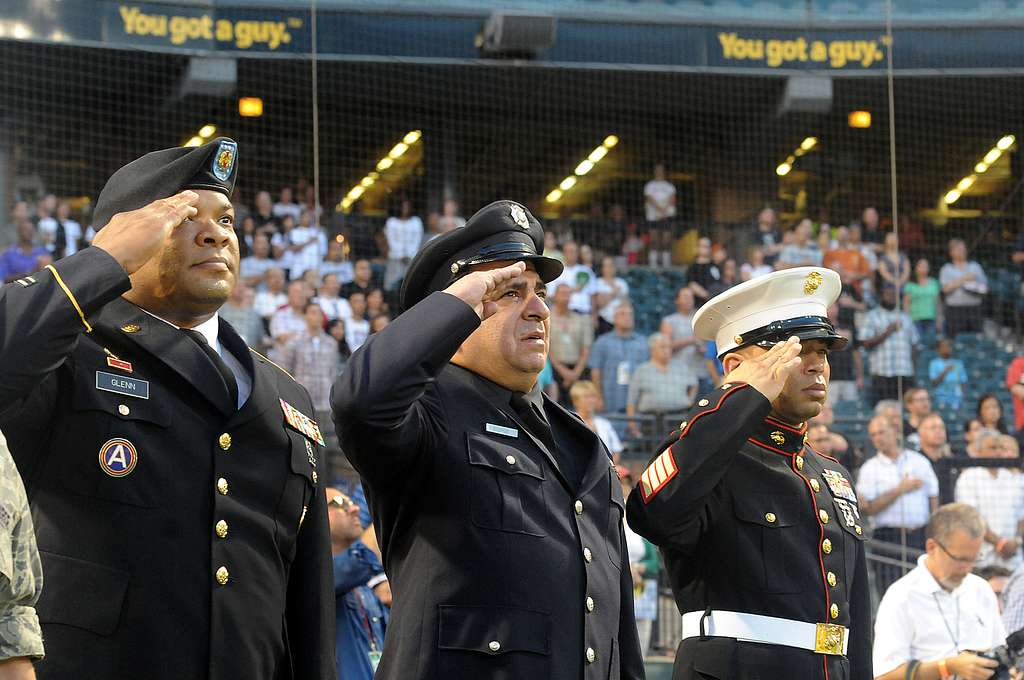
(927, 386)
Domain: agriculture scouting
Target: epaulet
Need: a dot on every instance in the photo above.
(272, 363)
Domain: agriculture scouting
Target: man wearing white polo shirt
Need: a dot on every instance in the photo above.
(898, 490)
(931, 621)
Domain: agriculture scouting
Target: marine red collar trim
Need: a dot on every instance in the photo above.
(779, 437)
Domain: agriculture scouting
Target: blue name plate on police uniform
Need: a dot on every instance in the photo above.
(130, 387)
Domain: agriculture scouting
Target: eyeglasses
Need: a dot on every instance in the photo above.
(961, 560)
(343, 502)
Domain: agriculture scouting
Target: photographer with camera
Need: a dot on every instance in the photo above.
(934, 622)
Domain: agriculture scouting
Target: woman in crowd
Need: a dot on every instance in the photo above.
(609, 289)
(990, 413)
(585, 401)
(893, 265)
(336, 329)
(921, 300)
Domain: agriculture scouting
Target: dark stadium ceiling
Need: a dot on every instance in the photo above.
(77, 114)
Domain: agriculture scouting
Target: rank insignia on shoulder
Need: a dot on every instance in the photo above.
(657, 475)
(131, 328)
(118, 457)
(114, 362)
(25, 281)
(840, 485)
(301, 422)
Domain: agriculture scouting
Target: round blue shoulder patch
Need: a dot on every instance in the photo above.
(118, 457)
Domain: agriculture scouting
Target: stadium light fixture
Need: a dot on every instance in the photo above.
(1004, 144)
(806, 146)
(250, 107)
(859, 119)
(584, 167)
(195, 141)
(207, 130)
(397, 151)
(966, 182)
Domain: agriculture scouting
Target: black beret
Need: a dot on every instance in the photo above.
(161, 174)
(503, 231)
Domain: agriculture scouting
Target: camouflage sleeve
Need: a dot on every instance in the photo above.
(21, 573)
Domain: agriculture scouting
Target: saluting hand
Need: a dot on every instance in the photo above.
(478, 289)
(769, 372)
(133, 238)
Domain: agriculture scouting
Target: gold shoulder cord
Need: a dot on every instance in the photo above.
(272, 362)
(67, 291)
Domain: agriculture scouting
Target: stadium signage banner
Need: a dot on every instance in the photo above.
(205, 29)
(215, 28)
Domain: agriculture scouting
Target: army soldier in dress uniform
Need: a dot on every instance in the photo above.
(498, 513)
(172, 472)
(762, 536)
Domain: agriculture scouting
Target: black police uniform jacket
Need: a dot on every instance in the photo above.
(498, 569)
(751, 520)
(132, 563)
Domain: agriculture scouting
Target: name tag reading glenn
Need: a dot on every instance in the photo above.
(119, 384)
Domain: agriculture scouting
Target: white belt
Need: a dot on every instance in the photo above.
(821, 638)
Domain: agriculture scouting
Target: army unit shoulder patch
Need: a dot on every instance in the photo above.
(657, 474)
(302, 423)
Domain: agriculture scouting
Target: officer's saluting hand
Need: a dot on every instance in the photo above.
(134, 237)
(769, 372)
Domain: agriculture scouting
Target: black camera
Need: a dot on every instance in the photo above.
(1010, 655)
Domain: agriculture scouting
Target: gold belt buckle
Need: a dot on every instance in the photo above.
(828, 638)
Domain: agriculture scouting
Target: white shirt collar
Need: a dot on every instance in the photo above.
(209, 328)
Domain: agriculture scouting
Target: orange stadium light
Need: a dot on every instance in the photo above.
(250, 107)
(859, 119)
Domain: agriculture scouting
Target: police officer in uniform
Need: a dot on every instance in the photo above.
(497, 511)
(762, 536)
(172, 472)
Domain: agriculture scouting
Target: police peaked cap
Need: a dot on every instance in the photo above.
(503, 231)
(161, 174)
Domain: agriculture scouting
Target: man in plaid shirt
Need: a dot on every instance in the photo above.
(890, 336)
(312, 358)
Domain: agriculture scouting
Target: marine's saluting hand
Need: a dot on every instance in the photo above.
(478, 289)
(768, 373)
(133, 238)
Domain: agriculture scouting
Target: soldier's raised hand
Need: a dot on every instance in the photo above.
(769, 372)
(133, 238)
(478, 289)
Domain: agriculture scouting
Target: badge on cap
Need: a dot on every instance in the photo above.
(118, 457)
(224, 160)
(840, 485)
(812, 282)
(302, 422)
(519, 216)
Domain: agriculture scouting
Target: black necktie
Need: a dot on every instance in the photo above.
(225, 373)
(534, 419)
